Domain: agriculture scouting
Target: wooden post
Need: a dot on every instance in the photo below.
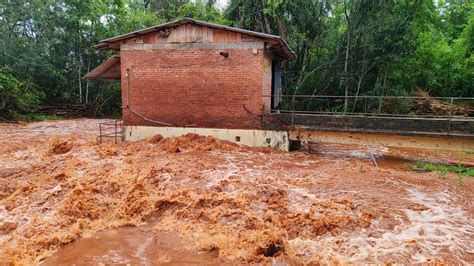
(450, 115)
(365, 106)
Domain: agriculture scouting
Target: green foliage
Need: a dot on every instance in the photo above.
(469, 172)
(16, 96)
(36, 117)
(202, 11)
(361, 47)
(167, 9)
(347, 48)
(442, 169)
(107, 99)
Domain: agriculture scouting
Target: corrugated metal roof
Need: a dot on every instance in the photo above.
(104, 44)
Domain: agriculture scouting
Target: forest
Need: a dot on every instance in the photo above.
(343, 47)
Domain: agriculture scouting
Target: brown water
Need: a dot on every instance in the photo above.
(132, 246)
(391, 157)
(66, 200)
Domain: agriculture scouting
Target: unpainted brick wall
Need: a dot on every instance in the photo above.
(191, 87)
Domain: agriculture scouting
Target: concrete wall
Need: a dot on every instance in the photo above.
(387, 140)
(252, 138)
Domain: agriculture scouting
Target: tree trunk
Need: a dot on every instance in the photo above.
(346, 63)
(282, 28)
(267, 28)
(359, 82)
(383, 90)
(80, 84)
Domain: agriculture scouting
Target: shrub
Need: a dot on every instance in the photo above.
(16, 97)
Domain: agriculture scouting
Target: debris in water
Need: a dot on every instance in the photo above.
(155, 139)
(58, 146)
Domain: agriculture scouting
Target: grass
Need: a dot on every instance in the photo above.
(37, 117)
(443, 169)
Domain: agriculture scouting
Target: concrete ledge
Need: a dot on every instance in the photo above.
(195, 45)
(249, 137)
(388, 140)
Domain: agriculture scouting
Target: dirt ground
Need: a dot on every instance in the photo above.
(223, 202)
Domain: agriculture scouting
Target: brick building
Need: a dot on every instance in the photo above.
(193, 76)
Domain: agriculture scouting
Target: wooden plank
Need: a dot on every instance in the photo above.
(182, 34)
(220, 35)
(207, 34)
(210, 34)
(204, 34)
(188, 33)
(199, 34)
(217, 35)
(175, 32)
(237, 36)
(149, 37)
(193, 33)
(227, 36)
(234, 36)
(172, 36)
(248, 38)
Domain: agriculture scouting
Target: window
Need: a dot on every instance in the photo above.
(276, 83)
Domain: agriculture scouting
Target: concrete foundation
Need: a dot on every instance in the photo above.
(388, 140)
(252, 138)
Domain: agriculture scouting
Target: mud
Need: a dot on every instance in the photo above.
(132, 246)
(195, 199)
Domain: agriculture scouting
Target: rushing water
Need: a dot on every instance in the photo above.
(131, 246)
(216, 203)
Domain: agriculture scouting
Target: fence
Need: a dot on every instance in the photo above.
(390, 106)
(390, 114)
(111, 129)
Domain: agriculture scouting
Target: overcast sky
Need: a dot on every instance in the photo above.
(221, 3)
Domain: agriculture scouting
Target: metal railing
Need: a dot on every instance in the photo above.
(379, 106)
(440, 116)
(111, 129)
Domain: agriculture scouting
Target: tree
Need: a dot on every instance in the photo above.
(16, 96)
(202, 10)
(166, 9)
(348, 48)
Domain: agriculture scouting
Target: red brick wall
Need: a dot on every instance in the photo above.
(191, 87)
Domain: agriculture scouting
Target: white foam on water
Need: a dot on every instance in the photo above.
(443, 229)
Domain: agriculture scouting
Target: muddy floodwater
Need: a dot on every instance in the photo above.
(67, 200)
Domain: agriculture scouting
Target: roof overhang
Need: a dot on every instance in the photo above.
(109, 70)
(277, 41)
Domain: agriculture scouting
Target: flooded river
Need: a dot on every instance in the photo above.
(65, 200)
(137, 245)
